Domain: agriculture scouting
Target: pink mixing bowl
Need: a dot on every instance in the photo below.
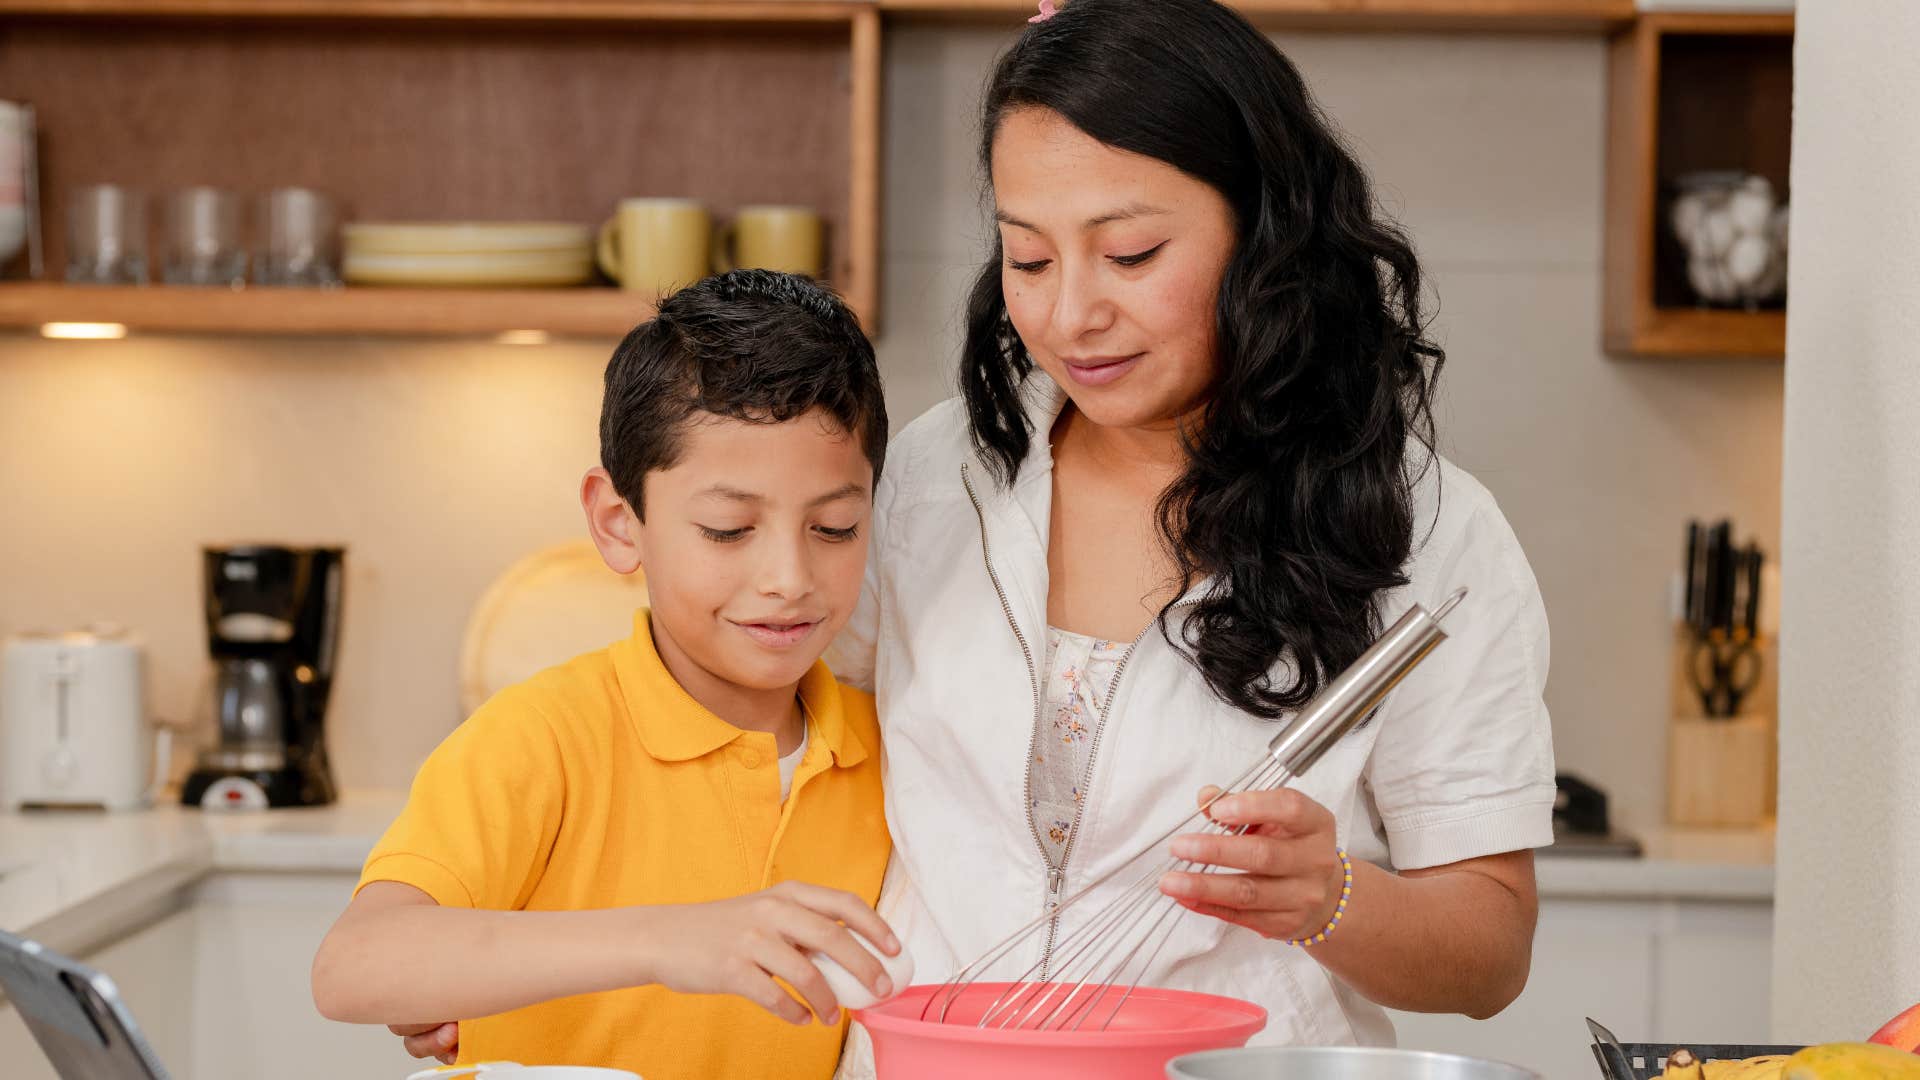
(1153, 1027)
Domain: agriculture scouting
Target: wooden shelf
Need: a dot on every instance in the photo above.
(1707, 332)
(594, 313)
(548, 110)
(684, 12)
(1517, 15)
(1688, 92)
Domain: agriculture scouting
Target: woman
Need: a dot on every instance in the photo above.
(1188, 480)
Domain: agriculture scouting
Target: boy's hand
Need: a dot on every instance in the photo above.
(739, 946)
(438, 1041)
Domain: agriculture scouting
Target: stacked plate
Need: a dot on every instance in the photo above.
(487, 254)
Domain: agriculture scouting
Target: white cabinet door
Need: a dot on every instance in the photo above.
(1713, 974)
(253, 1013)
(1590, 958)
(221, 989)
(1650, 970)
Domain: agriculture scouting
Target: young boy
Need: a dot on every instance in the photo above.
(612, 862)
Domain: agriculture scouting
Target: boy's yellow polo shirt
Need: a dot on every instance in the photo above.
(601, 783)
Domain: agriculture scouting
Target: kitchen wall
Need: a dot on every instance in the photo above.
(1847, 937)
(441, 464)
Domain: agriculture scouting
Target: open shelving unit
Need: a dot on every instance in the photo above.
(556, 109)
(446, 110)
(1689, 92)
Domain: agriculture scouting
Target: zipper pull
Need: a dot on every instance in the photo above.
(1056, 884)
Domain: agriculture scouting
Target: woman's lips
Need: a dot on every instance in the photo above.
(1100, 370)
(780, 635)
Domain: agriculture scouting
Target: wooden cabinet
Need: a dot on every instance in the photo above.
(1688, 92)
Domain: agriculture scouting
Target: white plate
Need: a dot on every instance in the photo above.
(546, 609)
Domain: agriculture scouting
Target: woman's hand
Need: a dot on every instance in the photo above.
(440, 1042)
(1287, 874)
(739, 946)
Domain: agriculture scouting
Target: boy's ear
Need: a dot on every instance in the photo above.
(610, 521)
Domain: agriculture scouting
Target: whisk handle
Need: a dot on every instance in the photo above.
(1360, 688)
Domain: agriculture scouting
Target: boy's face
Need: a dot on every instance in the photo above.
(754, 547)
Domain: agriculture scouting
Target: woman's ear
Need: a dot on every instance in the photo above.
(614, 526)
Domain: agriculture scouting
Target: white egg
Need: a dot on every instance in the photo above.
(1747, 259)
(1704, 274)
(852, 993)
(1687, 210)
(1716, 233)
(1750, 210)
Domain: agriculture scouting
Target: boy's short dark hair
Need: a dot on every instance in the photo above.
(754, 345)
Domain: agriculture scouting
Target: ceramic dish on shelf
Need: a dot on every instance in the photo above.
(464, 237)
(501, 269)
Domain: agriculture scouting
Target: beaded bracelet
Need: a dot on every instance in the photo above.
(1339, 910)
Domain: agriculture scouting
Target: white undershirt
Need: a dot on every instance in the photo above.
(790, 763)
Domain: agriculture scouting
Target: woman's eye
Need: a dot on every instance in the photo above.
(723, 536)
(838, 535)
(1033, 267)
(1136, 260)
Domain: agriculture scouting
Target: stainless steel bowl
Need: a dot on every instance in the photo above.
(1337, 1063)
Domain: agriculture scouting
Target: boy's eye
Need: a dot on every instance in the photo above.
(723, 536)
(1033, 267)
(838, 535)
(1136, 260)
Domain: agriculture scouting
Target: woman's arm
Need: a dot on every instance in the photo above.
(397, 957)
(1447, 939)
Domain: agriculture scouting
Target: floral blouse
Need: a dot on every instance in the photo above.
(1080, 672)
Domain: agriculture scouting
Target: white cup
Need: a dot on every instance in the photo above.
(512, 1070)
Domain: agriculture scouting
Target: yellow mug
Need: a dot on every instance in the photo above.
(655, 245)
(770, 238)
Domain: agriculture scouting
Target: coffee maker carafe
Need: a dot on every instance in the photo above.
(273, 620)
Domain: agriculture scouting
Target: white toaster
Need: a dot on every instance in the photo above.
(73, 723)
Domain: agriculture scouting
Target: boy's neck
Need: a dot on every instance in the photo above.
(776, 711)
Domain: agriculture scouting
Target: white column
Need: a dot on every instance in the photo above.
(1847, 928)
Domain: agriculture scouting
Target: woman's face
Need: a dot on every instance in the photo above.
(1112, 265)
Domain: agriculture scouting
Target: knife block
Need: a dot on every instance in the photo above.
(1721, 771)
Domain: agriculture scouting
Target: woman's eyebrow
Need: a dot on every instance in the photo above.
(1124, 213)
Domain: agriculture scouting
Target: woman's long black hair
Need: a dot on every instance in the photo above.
(1298, 494)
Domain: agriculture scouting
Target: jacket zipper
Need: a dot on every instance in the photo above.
(1056, 875)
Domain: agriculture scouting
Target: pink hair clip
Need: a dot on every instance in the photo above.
(1047, 11)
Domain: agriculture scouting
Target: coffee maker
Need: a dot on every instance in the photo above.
(273, 620)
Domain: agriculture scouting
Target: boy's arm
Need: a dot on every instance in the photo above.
(397, 957)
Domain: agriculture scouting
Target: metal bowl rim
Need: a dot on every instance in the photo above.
(1361, 1051)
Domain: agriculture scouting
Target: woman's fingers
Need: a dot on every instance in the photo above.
(1284, 812)
(1253, 853)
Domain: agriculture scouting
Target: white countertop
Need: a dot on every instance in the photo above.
(70, 878)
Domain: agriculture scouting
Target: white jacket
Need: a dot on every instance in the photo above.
(951, 631)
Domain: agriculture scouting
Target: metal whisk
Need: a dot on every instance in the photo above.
(1096, 968)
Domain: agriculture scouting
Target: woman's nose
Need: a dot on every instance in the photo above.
(1081, 305)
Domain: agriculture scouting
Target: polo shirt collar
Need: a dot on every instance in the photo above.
(674, 727)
